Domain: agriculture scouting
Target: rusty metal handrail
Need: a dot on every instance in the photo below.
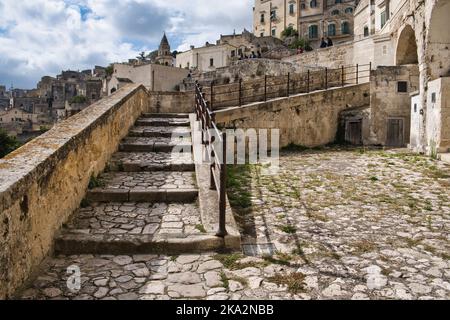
(218, 169)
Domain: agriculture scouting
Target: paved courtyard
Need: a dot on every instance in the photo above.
(340, 224)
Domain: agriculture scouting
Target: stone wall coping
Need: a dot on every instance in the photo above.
(21, 168)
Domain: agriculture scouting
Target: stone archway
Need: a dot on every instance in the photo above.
(438, 40)
(406, 52)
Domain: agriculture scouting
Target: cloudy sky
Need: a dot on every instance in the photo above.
(43, 37)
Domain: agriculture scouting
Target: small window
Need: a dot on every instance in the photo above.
(274, 32)
(338, 1)
(262, 18)
(313, 4)
(331, 29)
(366, 31)
(349, 10)
(345, 28)
(262, 34)
(383, 18)
(273, 14)
(211, 62)
(303, 6)
(433, 97)
(415, 107)
(402, 86)
(291, 8)
(334, 12)
(313, 32)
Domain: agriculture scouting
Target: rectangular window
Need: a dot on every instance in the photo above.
(291, 8)
(211, 62)
(262, 18)
(274, 32)
(273, 14)
(332, 30)
(233, 53)
(433, 97)
(366, 31)
(402, 86)
(262, 34)
(313, 32)
(383, 19)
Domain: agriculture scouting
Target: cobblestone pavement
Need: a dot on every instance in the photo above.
(120, 220)
(148, 180)
(346, 224)
(159, 131)
(123, 161)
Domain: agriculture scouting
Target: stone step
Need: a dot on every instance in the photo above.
(163, 122)
(143, 144)
(167, 132)
(166, 115)
(151, 161)
(145, 187)
(133, 228)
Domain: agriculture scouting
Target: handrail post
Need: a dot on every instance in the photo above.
(343, 76)
(240, 92)
(212, 94)
(288, 80)
(326, 78)
(223, 192)
(265, 87)
(357, 73)
(307, 85)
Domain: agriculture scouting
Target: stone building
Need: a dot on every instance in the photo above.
(227, 49)
(407, 43)
(154, 77)
(313, 19)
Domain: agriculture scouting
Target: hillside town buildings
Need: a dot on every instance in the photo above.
(313, 19)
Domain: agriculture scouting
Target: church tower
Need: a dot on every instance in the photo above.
(164, 54)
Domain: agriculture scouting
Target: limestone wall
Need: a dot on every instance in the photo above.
(386, 102)
(304, 119)
(438, 115)
(171, 102)
(42, 183)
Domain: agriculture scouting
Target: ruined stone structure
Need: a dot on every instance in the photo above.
(313, 19)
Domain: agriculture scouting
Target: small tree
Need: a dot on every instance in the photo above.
(289, 32)
(109, 70)
(141, 56)
(78, 99)
(7, 144)
(301, 43)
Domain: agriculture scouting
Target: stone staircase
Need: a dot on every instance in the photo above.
(146, 201)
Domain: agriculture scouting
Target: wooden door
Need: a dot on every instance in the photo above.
(353, 132)
(395, 133)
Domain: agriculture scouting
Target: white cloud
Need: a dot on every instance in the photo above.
(43, 37)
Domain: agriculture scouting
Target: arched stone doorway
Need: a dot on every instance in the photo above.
(406, 52)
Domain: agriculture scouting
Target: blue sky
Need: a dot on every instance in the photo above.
(43, 37)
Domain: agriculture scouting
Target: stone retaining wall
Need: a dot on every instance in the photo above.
(305, 119)
(169, 102)
(42, 183)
